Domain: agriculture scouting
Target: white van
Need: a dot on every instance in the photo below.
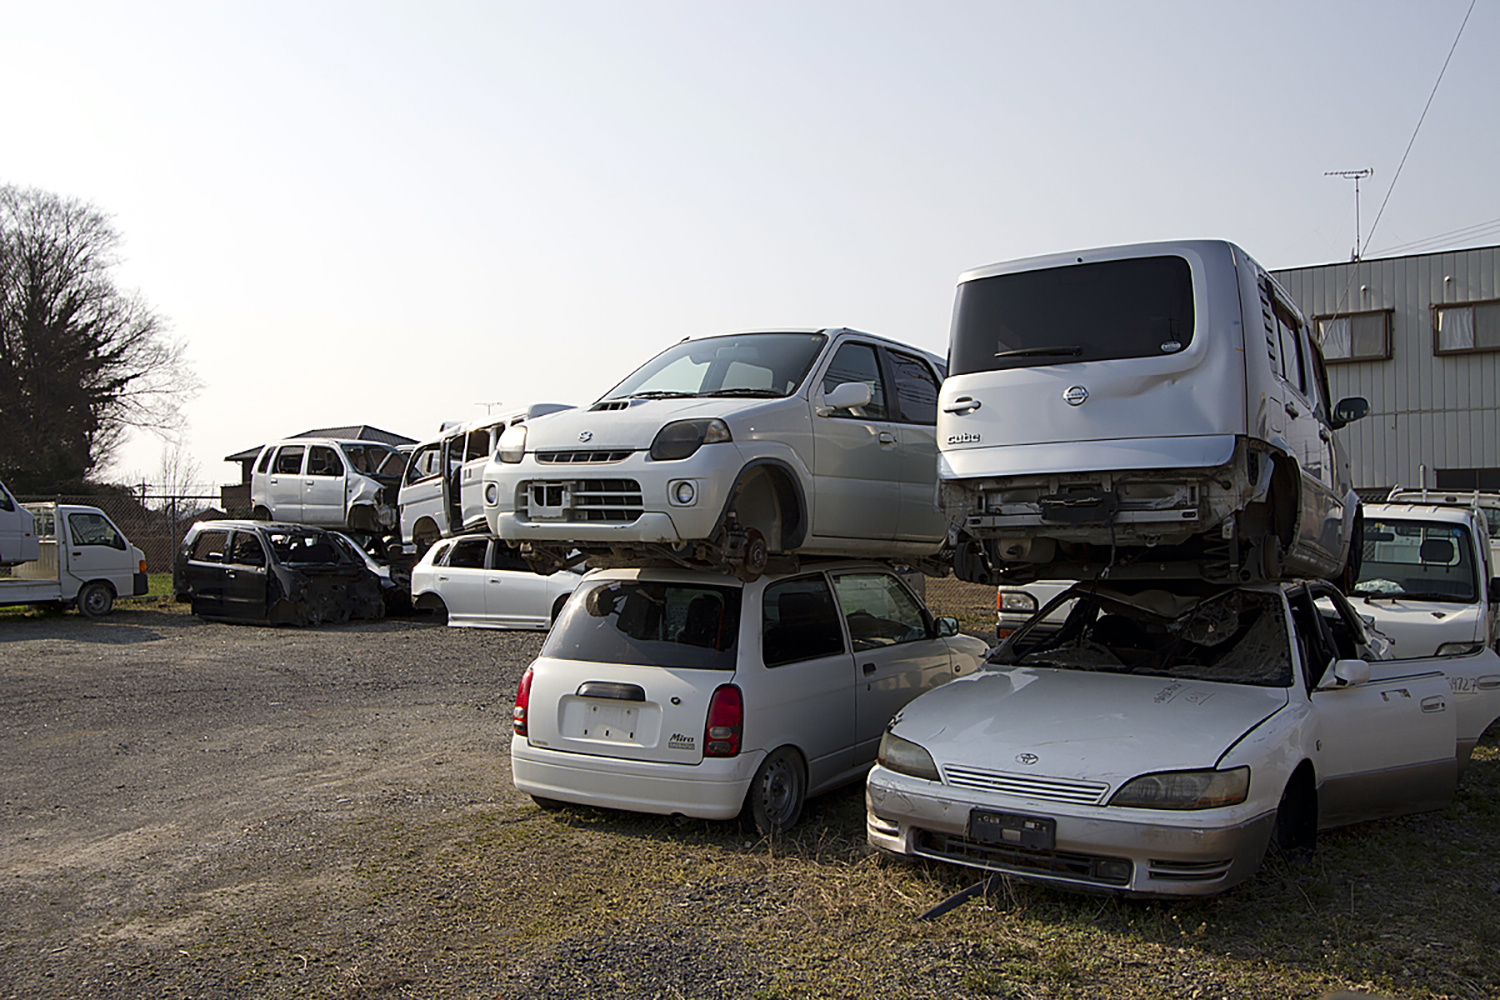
(441, 488)
(18, 539)
(1156, 410)
(327, 482)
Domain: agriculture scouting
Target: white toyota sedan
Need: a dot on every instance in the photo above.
(1157, 744)
(475, 581)
(685, 692)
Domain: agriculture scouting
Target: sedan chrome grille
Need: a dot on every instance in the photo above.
(1031, 786)
(1068, 866)
(582, 457)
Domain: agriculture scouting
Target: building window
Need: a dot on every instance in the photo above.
(1356, 336)
(1486, 480)
(1466, 328)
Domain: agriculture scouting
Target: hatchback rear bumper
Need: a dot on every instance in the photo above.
(714, 788)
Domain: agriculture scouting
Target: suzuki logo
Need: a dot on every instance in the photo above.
(1027, 758)
(1076, 395)
(585, 436)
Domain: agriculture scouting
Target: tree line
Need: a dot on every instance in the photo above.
(81, 360)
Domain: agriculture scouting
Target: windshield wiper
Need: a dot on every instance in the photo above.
(662, 394)
(753, 393)
(1041, 352)
(1418, 595)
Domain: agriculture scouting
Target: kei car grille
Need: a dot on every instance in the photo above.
(1082, 793)
(582, 457)
(1024, 860)
(615, 500)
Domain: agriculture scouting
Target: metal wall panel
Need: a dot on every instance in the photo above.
(1441, 412)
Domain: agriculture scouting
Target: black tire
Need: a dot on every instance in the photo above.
(95, 600)
(439, 610)
(1295, 835)
(557, 607)
(777, 792)
(260, 514)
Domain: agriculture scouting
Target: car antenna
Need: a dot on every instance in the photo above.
(983, 887)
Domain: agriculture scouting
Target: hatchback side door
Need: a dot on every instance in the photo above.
(245, 577)
(204, 572)
(323, 487)
(896, 651)
(857, 467)
(461, 580)
(514, 596)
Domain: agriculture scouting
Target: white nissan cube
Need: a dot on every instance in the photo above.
(683, 692)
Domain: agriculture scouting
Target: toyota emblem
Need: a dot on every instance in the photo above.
(1027, 758)
(1076, 395)
(585, 436)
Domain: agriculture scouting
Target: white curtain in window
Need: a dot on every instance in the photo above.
(1456, 328)
(1336, 339)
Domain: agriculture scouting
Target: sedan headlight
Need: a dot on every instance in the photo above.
(906, 757)
(681, 438)
(1017, 601)
(1459, 648)
(1185, 790)
(512, 444)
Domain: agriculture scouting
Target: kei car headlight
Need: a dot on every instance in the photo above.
(512, 444)
(1185, 790)
(906, 757)
(681, 438)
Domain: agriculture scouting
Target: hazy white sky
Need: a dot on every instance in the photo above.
(388, 213)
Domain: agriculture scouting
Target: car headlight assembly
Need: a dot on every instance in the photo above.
(1185, 790)
(906, 757)
(1459, 648)
(682, 438)
(512, 446)
(1017, 601)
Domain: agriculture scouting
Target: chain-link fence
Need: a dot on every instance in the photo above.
(154, 521)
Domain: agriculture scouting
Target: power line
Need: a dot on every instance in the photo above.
(1475, 231)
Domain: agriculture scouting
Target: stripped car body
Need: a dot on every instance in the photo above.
(341, 483)
(1158, 743)
(279, 574)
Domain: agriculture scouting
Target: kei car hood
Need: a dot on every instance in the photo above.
(1081, 725)
(1418, 628)
(629, 423)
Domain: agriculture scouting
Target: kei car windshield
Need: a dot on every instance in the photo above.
(1417, 560)
(1139, 307)
(305, 548)
(1236, 637)
(766, 365)
(375, 459)
(649, 624)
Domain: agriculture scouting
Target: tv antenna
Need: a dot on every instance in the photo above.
(489, 408)
(1357, 175)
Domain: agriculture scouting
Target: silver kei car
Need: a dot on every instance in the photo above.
(1158, 743)
(726, 452)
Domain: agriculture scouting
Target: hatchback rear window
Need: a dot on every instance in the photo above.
(649, 624)
(1140, 307)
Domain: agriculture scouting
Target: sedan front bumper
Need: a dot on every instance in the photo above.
(1097, 849)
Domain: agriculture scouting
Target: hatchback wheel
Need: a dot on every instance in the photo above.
(95, 600)
(774, 802)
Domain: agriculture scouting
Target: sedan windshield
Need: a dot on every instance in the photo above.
(1238, 637)
(1417, 560)
(649, 624)
(749, 364)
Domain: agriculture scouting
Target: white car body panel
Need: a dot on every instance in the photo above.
(487, 596)
(290, 486)
(18, 538)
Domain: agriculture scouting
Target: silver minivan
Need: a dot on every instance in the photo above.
(331, 483)
(1156, 410)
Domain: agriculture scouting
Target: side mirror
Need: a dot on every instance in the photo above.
(946, 626)
(1349, 410)
(1349, 673)
(845, 396)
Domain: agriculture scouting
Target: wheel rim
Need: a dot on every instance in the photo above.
(96, 601)
(778, 791)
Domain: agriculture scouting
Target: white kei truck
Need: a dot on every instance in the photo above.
(67, 555)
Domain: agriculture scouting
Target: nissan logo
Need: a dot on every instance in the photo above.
(1076, 395)
(1027, 758)
(587, 436)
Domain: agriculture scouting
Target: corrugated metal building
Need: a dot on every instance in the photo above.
(1419, 337)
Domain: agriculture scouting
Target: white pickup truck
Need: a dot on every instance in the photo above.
(68, 555)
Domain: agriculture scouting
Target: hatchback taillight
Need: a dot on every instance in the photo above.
(523, 698)
(726, 721)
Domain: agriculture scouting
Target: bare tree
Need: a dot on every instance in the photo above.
(80, 359)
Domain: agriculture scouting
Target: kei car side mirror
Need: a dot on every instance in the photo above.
(1347, 673)
(1349, 410)
(845, 396)
(946, 626)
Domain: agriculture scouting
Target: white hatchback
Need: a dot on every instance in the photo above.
(480, 582)
(684, 692)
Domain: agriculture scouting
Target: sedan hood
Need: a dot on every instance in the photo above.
(628, 423)
(1080, 725)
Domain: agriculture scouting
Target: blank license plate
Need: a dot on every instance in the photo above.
(1034, 832)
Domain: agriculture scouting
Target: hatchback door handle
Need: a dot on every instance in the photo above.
(868, 668)
(886, 437)
(963, 404)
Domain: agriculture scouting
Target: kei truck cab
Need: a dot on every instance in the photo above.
(78, 557)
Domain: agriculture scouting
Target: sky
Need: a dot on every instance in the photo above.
(401, 214)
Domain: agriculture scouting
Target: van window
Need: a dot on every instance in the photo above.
(247, 550)
(425, 463)
(289, 460)
(1140, 307)
(858, 363)
(94, 529)
(799, 622)
(209, 546)
(265, 460)
(324, 461)
(650, 624)
(1293, 365)
(374, 459)
(916, 388)
(478, 445)
(6, 503)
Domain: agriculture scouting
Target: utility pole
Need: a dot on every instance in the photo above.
(1357, 175)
